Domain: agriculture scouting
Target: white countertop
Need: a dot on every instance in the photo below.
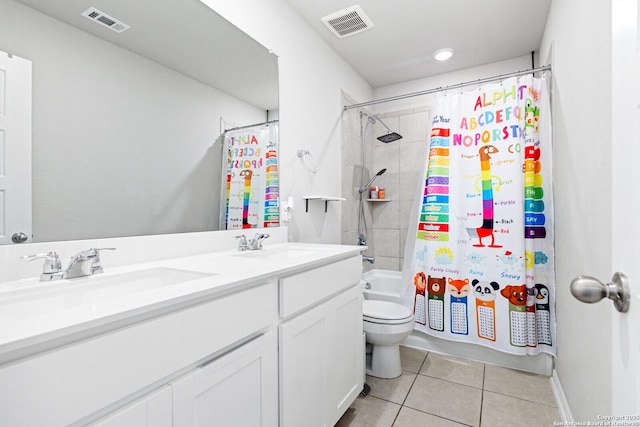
(35, 329)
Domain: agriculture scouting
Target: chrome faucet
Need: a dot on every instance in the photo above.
(253, 244)
(256, 242)
(84, 263)
(369, 259)
(52, 269)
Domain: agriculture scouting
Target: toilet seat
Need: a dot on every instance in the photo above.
(385, 312)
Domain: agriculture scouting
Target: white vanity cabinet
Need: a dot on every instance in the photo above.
(321, 348)
(151, 411)
(280, 344)
(101, 376)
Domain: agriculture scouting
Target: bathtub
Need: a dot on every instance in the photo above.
(385, 285)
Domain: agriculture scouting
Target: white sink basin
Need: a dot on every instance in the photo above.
(282, 253)
(41, 298)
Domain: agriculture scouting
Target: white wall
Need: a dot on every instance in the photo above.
(444, 80)
(578, 39)
(311, 79)
(121, 145)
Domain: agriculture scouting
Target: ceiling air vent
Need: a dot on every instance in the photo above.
(348, 22)
(103, 19)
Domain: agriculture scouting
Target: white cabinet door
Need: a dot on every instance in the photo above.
(237, 389)
(321, 361)
(151, 411)
(303, 369)
(344, 352)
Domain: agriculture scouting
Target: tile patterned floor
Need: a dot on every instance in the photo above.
(442, 391)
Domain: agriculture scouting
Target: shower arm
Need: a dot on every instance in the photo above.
(373, 119)
(385, 125)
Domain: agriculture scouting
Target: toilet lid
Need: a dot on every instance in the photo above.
(385, 312)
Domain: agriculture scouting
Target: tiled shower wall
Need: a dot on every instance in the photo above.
(404, 160)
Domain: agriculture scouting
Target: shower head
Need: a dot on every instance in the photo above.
(390, 136)
(364, 187)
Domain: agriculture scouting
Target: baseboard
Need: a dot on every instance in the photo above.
(561, 400)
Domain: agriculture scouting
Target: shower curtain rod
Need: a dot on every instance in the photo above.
(456, 86)
(250, 126)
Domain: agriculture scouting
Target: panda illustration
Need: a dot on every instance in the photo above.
(485, 293)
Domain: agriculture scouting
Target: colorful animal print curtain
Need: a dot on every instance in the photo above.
(251, 178)
(482, 268)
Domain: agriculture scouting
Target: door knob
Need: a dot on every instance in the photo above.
(19, 237)
(589, 289)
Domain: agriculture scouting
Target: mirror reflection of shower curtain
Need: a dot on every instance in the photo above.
(481, 267)
(251, 186)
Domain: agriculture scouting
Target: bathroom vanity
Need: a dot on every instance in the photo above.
(270, 337)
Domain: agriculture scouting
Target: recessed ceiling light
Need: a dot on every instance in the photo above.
(443, 54)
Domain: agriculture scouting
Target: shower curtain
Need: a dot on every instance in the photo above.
(251, 179)
(482, 267)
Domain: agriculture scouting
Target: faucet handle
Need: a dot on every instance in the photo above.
(96, 266)
(92, 252)
(52, 266)
(52, 262)
(97, 250)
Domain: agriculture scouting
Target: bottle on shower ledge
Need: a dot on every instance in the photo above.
(381, 193)
(374, 192)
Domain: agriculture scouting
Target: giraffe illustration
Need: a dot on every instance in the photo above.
(486, 229)
(246, 174)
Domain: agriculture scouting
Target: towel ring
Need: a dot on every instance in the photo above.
(308, 160)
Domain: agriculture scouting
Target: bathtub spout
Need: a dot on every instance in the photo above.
(369, 259)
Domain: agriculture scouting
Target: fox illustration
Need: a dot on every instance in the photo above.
(458, 291)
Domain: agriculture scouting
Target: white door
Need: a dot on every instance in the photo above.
(625, 204)
(15, 148)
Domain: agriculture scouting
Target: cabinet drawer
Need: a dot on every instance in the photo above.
(100, 371)
(306, 289)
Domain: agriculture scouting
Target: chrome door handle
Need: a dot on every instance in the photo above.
(19, 237)
(589, 289)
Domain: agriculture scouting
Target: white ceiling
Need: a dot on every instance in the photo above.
(405, 34)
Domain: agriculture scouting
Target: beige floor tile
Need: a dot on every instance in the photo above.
(518, 384)
(460, 371)
(445, 399)
(369, 412)
(500, 410)
(394, 390)
(412, 358)
(411, 418)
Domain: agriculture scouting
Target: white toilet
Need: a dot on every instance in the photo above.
(386, 325)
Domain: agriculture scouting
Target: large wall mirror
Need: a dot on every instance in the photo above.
(126, 126)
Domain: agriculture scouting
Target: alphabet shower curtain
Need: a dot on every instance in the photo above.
(251, 179)
(482, 269)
